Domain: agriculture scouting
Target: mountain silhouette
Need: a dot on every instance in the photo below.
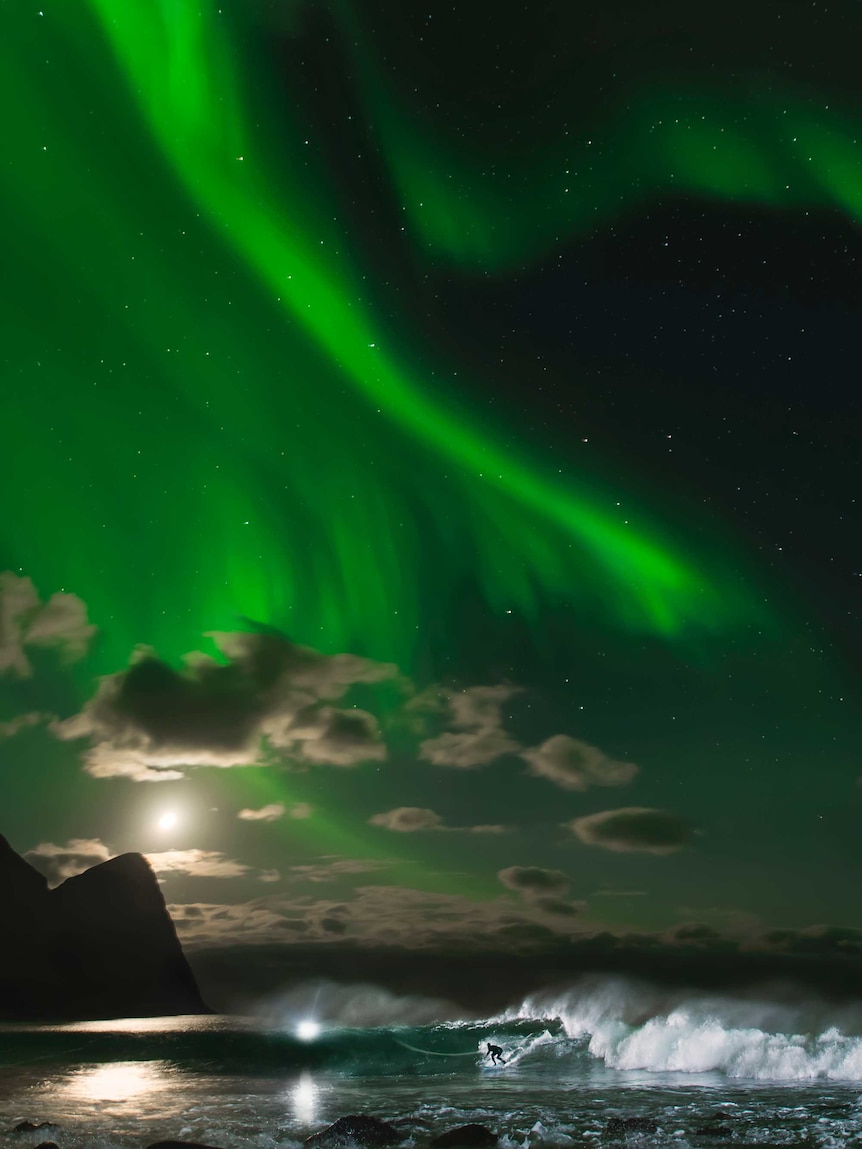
(100, 945)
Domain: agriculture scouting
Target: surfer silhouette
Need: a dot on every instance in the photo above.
(495, 1052)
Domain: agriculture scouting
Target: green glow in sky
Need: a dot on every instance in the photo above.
(219, 409)
(259, 526)
(225, 408)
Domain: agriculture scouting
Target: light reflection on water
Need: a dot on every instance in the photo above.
(117, 1082)
(304, 1097)
(227, 1082)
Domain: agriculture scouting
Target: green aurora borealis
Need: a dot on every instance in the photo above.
(228, 403)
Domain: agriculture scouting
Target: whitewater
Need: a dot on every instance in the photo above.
(770, 1066)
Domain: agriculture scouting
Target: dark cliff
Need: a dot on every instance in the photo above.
(100, 945)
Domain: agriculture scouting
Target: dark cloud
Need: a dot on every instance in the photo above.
(60, 623)
(152, 722)
(526, 935)
(542, 890)
(576, 765)
(533, 880)
(337, 737)
(816, 941)
(634, 829)
(695, 933)
(560, 906)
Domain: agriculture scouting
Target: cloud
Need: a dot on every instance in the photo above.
(59, 623)
(633, 829)
(386, 916)
(561, 906)
(576, 765)
(468, 749)
(269, 813)
(407, 819)
(334, 737)
(479, 737)
(479, 707)
(328, 869)
(21, 722)
(542, 889)
(152, 723)
(60, 862)
(276, 810)
(533, 880)
(205, 864)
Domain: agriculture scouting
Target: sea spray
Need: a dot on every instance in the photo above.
(631, 1025)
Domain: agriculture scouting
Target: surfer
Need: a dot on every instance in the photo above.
(495, 1052)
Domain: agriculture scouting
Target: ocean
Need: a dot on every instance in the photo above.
(761, 1068)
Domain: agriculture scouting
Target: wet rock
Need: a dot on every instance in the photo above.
(619, 1126)
(177, 1145)
(32, 1126)
(472, 1136)
(369, 1132)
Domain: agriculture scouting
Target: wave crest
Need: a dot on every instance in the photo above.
(634, 1026)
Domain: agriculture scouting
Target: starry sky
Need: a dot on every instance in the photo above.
(429, 456)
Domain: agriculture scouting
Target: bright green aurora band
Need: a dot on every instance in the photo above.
(216, 411)
(155, 467)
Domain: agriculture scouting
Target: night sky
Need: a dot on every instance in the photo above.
(429, 456)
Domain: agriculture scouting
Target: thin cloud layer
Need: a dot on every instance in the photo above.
(21, 722)
(408, 819)
(25, 621)
(269, 813)
(389, 916)
(152, 723)
(575, 765)
(58, 862)
(205, 864)
(634, 830)
(479, 737)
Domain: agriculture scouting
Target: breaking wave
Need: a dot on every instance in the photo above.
(632, 1026)
(609, 1025)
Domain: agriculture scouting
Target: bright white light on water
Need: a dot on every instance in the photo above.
(168, 820)
(304, 1096)
(118, 1082)
(307, 1029)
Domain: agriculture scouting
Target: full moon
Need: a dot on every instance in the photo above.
(168, 820)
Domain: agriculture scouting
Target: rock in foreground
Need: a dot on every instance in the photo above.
(369, 1132)
(472, 1136)
(619, 1126)
(179, 1145)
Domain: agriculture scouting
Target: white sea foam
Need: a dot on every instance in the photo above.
(630, 1026)
(356, 1006)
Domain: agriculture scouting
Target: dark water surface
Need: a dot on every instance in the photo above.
(707, 1071)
